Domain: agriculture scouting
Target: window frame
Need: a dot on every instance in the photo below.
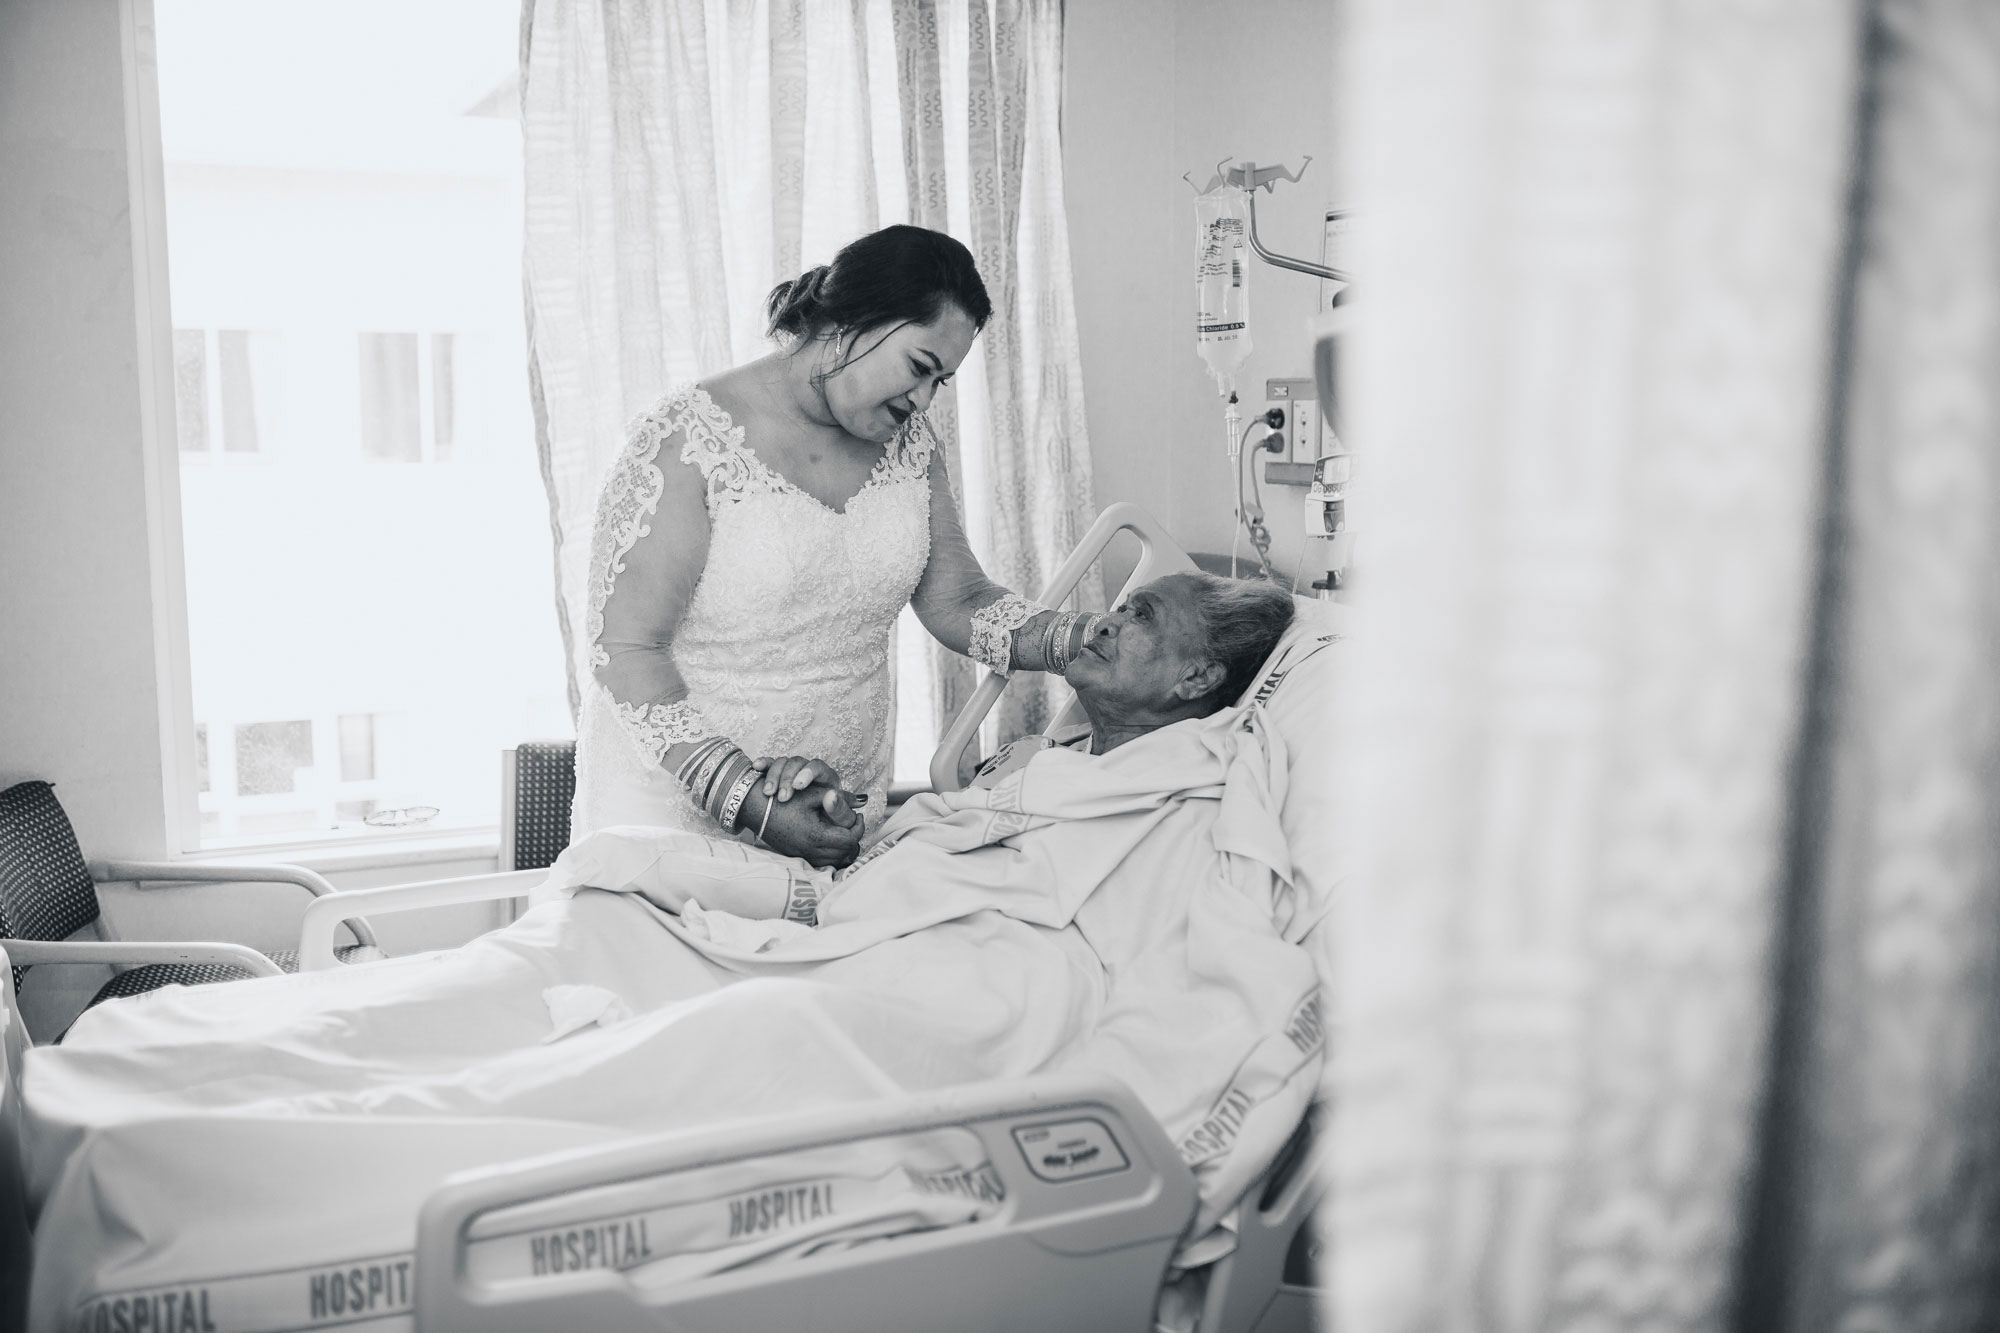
(370, 848)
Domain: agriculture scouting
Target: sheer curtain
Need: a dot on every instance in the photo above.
(1668, 967)
(682, 156)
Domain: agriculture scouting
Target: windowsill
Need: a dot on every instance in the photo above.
(381, 851)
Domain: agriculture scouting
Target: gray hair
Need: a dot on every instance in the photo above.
(1241, 623)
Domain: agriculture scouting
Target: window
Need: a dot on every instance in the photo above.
(409, 396)
(229, 391)
(367, 630)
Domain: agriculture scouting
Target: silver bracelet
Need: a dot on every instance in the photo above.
(700, 751)
(734, 805)
(765, 822)
(1050, 635)
(1073, 644)
(718, 787)
(704, 776)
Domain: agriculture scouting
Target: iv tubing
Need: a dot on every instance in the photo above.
(1242, 519)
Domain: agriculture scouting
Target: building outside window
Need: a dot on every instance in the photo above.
(229, 392)
(370, 608)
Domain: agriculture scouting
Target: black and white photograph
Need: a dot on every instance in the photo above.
(1000, 666)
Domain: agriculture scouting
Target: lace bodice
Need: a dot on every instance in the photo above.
(785, 645)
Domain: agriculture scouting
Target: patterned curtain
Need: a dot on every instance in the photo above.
(1672, 749)
(685, 155)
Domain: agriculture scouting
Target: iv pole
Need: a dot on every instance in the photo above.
(1249, 178)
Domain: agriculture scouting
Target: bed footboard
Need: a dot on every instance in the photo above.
(1093, 1199)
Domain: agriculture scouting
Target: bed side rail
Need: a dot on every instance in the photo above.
(324, 915)
(1158, 554)
(1244, 1284)
(1095, 1199)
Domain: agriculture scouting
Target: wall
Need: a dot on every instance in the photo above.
(77, 641)
(1155, 88)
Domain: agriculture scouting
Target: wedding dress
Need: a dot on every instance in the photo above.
(786, 645)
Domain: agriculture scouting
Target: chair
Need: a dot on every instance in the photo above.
(537, 782)
(48, 893)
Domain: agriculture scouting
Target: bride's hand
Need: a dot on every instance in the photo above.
(803, 829)
(793, 774)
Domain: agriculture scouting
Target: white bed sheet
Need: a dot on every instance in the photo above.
(245, 1152)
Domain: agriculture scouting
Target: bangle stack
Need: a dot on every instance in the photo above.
(719, 777)
(1061, 643)
(1054, 636)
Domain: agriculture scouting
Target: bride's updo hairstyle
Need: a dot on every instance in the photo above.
(898, 275)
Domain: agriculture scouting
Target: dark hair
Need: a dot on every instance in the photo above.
(898, 275)
(1241, 623)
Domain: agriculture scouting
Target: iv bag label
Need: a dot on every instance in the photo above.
(1070, 1149)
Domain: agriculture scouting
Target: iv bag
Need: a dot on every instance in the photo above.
(1222, 294)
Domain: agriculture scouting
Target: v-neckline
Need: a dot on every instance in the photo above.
(734, 437)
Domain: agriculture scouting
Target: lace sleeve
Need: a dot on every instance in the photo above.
(648, 550)
(962, 608)
(993, 627)
(658, 728)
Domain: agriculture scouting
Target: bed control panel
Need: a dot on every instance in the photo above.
(1070, 1149)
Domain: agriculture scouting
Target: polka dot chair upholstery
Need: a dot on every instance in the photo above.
(45, 890)
(46, 893)
(535, 818)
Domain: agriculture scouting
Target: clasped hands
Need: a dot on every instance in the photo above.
(804, 811)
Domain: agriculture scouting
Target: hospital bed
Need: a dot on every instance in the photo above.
(1094, 1197)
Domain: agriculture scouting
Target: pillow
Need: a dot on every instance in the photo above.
(1296, 688)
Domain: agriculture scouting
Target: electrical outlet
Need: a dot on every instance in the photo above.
(1299, 400)
(1303, 431)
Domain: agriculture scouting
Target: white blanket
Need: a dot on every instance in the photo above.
(1120, 915)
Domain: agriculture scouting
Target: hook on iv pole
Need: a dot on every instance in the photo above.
(1249, 178)
(1215, 181)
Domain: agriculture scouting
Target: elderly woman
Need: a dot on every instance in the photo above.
(757, 541)
(1180, 647)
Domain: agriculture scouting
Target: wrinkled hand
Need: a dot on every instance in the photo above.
(793, 775)
(805, 829)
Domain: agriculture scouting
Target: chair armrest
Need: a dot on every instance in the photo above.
(185, 872)
(26, 953)
(324, 915)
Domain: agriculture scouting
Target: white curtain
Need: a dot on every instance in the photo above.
(683, 156)
(1668, 965)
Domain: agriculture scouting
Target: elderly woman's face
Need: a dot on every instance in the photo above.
(896, 371)
(1142, 652)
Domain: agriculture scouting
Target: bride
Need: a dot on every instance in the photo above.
(754, 545)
